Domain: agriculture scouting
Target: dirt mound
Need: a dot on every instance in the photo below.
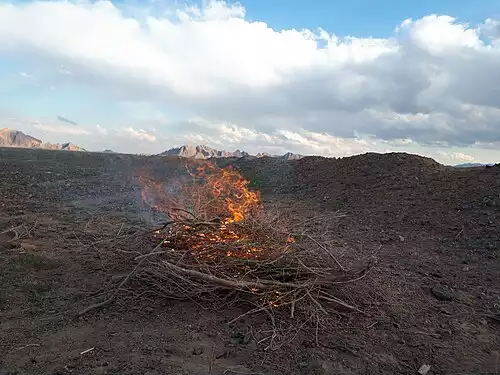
(406, 192)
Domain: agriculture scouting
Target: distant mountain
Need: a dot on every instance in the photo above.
(202, 152)
(291, 156)
(472, 165)
(16, 138)
(63, 147)
(205, 152)
(263, 155)
(71, 147)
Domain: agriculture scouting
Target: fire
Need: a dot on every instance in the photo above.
(218, 196)
(226, 185)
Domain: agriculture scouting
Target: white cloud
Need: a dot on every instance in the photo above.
(434, 82)
(100, 130)
(452, 35)
(491, 29)
(457, 156)
(26, 75)
(61, 129)
(65, 72)
(140, 134)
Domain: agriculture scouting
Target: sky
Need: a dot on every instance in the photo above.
(332, 78)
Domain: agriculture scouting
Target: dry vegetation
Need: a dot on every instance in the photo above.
(221, 244)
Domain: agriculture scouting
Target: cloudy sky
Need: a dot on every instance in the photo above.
(331, 78)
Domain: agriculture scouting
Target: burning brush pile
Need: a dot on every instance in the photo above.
(221, 243)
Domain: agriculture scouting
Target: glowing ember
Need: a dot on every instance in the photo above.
(217, 196)
(229, 190)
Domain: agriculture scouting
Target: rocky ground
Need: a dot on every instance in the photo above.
(433, 297)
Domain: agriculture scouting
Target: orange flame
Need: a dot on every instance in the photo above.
(230, 188)
(214, 192)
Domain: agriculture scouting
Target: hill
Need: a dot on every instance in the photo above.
(63, 147)
(472, 165)
(16, 138)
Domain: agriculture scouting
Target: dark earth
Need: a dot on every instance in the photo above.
(432, 298)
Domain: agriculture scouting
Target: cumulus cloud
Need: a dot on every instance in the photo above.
(140, 134)
(457, 156)
(491, 29)
(309, 90)
(100, 130)
(26, 75)
(61, 129)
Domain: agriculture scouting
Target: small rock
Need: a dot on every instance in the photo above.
(302, 363)
(197, 351)
(401, 238)
(445, 311)
(424, 369)
(442, 293)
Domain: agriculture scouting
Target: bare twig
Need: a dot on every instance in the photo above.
(120, 230)
(327, 251)
(113, 296)
(23, 347)
(211, 360)
(339, 302)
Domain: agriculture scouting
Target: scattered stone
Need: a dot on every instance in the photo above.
(197, 351)
(424, 369)
(441, 293)
(445, 311)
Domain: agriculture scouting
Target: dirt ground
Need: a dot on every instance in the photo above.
(433, 297)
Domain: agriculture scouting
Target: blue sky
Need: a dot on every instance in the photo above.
(363, 17)
(317, 77)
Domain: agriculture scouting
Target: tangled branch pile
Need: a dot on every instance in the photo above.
(220, 242)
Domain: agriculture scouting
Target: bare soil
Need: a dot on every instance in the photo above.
(433, 297)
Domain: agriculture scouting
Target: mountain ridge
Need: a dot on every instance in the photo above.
(206, 152)
(16, 138)
(473, 165)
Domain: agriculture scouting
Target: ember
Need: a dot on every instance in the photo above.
(219, 199)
